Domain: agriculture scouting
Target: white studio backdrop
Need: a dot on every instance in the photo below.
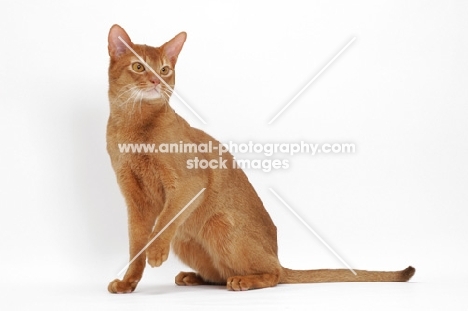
(399, 93)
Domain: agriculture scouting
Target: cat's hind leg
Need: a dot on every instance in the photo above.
(246, 256)
(254, 263)
(196, 257)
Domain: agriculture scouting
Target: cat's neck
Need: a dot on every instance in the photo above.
(138, 109)
(141, 113)
(144, 121)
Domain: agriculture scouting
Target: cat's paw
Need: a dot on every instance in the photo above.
(157, 254)
(254, 281)
(121, 287)
(238, 283)
(189, 279)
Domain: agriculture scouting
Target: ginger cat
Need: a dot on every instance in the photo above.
(226, 235)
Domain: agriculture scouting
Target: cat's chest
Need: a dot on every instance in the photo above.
(140, 172)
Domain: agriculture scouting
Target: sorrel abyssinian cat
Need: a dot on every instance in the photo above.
(226, 235)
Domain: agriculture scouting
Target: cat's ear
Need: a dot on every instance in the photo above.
(173, 47)
(116, 46)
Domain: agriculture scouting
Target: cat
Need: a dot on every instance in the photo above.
(225, 235)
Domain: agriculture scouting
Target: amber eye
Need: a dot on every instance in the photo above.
(138, 67)
(165, 70)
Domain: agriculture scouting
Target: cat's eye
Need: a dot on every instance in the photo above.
(165, 70)
(138, 67)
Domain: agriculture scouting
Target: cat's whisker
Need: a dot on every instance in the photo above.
(135, 97)
(141, 97)
(121, 93)
(166, 94)
(129, 98)
(126, 86)
(139, 94)
(125, 102)
(124, 92)
(167, 90)
(132, 96)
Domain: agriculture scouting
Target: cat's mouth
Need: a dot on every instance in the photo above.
(153, 92)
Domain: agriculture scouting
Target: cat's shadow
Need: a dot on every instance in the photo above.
(174, 289)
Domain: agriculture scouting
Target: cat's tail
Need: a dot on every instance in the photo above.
(290, 276)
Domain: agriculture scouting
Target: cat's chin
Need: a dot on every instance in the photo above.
(151, 94)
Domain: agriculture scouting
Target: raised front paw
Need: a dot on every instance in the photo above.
(157, 253)
(121, 287)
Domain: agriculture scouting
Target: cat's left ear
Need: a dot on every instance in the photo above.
(116, 46)
(173, 47)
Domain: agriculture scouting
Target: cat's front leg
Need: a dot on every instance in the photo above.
(141, 218)
(171, 217)
(158, 251)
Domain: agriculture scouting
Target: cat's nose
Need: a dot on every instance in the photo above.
(155, 80)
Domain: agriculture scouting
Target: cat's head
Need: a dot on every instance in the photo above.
(133, 80)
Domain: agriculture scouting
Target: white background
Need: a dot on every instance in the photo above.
(399, 93)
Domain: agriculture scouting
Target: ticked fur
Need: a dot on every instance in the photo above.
(225, 235)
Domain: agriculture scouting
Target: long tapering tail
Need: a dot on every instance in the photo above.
(343, 275)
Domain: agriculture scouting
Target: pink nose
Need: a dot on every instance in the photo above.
(155, 80)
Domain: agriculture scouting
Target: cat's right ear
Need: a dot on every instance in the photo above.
(116, 46)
